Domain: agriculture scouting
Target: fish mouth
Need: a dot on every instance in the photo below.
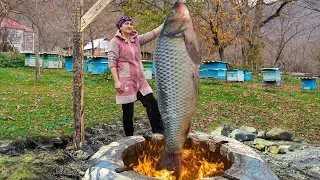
(179, 6)
(173, 34)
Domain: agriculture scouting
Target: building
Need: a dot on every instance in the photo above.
(19, 35)
(100, 47)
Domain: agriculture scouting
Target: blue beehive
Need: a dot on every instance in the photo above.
(271, 77)
(213, 73)
(152, 69)
(31, 60)
(247, 76)
(214, 65)
(309, 83)
(235, 75)
(51, 60)
(97, 64)
(69, 63)
(214, 70)
(28, 57)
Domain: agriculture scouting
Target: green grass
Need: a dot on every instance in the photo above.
(17, 167)
(29, 108)
(29, 165)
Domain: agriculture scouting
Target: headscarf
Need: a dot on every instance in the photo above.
(123, 20)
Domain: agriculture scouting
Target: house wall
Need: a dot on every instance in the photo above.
(98, 52)
(28, 42)
(23, 41)
(16, 38)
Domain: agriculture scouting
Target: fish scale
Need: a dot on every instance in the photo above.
(175, 73)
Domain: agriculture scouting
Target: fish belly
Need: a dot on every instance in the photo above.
(176, 92)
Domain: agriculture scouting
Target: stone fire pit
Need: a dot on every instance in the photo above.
(242, 162)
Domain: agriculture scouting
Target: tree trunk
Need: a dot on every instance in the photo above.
(217, 41)
(36, 52)
(221, 54)
(78, 85)
(91, 40)
(4, 43)
(255, 40)
(243, 54)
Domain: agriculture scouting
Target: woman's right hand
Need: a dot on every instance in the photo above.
(119, 87)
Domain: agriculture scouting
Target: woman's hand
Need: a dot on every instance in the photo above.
(158, 29)
(119, 87)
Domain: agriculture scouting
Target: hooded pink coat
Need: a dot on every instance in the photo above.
(125, 55)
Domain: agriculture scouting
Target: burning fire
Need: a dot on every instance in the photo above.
(195, 164)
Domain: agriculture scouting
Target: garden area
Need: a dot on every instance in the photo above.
(30, 108)
(34, 113)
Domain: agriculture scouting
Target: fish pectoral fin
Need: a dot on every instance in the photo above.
(192, 45)
(196, 82)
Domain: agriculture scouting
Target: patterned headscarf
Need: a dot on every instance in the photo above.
(123, 20)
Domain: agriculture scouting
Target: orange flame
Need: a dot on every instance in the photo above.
(195, 164)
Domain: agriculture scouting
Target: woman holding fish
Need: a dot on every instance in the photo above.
(177, 60)
(124, 54)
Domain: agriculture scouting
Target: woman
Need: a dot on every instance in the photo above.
(124, 56)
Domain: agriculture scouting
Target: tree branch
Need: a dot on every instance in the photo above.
(276, 14)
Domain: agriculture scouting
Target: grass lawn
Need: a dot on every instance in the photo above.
(29, 108)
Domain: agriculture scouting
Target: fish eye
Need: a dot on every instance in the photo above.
(172, 12)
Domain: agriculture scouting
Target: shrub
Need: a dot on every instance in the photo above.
(11, 59)
(107, 74)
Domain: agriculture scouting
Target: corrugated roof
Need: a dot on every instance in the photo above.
(10, 24)
(100, 43)
(275, 69)
(215, 62)
(308, 77)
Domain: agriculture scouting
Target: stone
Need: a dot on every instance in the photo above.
(82, 173)
(260, 147)
(221, 130)
(314, 171)
(6, 147)
(214, 178)
(47, 146)
(81, 155)
(274, 150)
(295, 165)
(248, 129)
(285, 148)
(279, 134)
(86, 148)
(57, 140)
(262, 135)
(241, 135)
(263, 142)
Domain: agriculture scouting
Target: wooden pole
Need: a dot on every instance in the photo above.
(79, 25)
(78, 85)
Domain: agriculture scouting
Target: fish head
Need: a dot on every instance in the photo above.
(177, 19)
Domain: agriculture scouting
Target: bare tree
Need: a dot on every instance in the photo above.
(290, 38)
(37, 14)
(7, 9)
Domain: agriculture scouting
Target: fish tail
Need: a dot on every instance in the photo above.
(171, 162)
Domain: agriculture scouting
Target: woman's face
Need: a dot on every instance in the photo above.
(127, 27)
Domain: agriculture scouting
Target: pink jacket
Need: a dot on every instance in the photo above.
(125, 55)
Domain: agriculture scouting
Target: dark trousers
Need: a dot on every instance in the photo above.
(151, 105)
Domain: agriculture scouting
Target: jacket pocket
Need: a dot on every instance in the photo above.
(125, 71)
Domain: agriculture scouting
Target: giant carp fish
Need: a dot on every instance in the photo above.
(177, 60)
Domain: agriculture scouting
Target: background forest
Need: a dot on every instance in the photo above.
(248, 34)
